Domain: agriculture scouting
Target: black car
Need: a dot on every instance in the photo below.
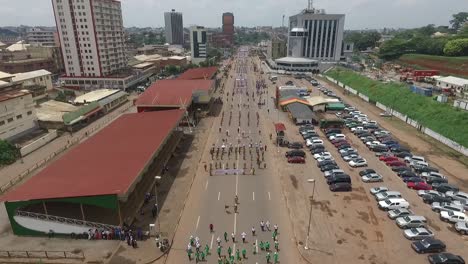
(295, 145)
(289, 83)
(445, 258)
(407, 173)
(316, 146)
(412, 179)
(344, 146)
(309, 135)
(341, 187)
(325, 162)
(347, 153)
(398, 169)
(295, 153)
(329, 167)
(317, 150)
(436, 181)
(366, 171)
(379, 148)
(338, 178)
(399, 149)
(333, 130)
(403, 154)
(420, 169)
(428, 245)
(429, 199)
(445, 187)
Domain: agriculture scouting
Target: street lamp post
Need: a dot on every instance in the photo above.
(311, 198)
(157, 178)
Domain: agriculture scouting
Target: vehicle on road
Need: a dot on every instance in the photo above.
(462, 228)
(376, 190)
(373, 177)
(411, 221)
(418, 185)
(358, 163)
(454, 217)
(296, 159)
(394, 203)
(341, 187)
(418, 233)
(393, 214)
(428, 245)
(387, 195)
(445, 258)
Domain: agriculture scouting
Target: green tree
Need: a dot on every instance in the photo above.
(457, 47)
(172, 69)
(364, 40)
(458, 20)
(8, 153)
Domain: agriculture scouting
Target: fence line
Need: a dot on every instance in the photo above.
(448, 142)
(71, 143)
(42, 254)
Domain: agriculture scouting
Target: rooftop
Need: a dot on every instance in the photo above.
(294, 60)
(199, 73)
(99, 166)
(147, 57)
(18, 46)
(143, 65)
(5, 75)
(172, 92)
(453, 80)
(53, 111)
(29, 75)
(11, 95)
(94, 96)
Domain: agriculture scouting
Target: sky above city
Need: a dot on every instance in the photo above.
(360, 14)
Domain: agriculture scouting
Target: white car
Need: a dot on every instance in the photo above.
(432, 192)
(317, 141)
(373, 143)
(345, 150)
(310, 141)
(358, 163)
(337, 136)
(387, 195)
(359, 128)
(454, 217)
(373, 177)
(417, 233)
(351, 157)
(458, 196)
(379, 189)
(322, 154)
(325, 158)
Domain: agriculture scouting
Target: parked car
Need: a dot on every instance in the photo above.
(325, 162)
(428, 245)
(418, 233)
(400, 212)
(431, 174)
(411, 221)
(421, 169)
(377, 190)
(366, 171)
(338, 178)
(418, 185)
(388, 158)
(394, 163)
(295, 153)
(351, 157)
(458, 196)
(462, 228)
(373, 177)
(429, 199)
(400, 168)
(453, 216)
(441, 206)
(436, 181)
(403, 154)
(358, 163)
(296, 159)
(407, 173)
(445, 258)
(394, 203)
(333, 172)
(341, 187)
(322, 155)
(295, 145)
(445, 187)
(429, 192)
(412, 179)
(387, 195)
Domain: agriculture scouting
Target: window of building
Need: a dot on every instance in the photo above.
(2, 123)
(19, 116)
(29, 113)
(10, 120)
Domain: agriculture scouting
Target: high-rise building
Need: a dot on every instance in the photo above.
(91, 37)
(228, 26)
(313, 34)
(198, 44)
(174, 27)
(277, 48)
(41, 37)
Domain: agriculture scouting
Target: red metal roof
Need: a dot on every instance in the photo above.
(280, 127)
(107, 163)
(172, 92)
(206, 73)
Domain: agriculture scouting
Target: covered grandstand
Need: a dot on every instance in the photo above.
(99, 183)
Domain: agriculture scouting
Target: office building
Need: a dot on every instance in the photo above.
(228, 27)
(315, 35)
(40, 37)
(277, 48)
(91, 37)
(174, 27)
(17, 114)
(198, 44)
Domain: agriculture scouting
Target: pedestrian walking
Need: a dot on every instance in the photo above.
(262, 246)
(254, 248)
(229, 251)
(267, 246)
(268, 257)
(211, 225)
(205, 166)
(276, 257)
(192, 241)
(238, 255)
(225, 236)
(253, 231)
(275, 227)
(267, 224)
(262, 225)
(197, 257)
(233, 236)
(219, 241)
(243, 237)
(218, 250)
(274, 235)
(189, 253)
(197, 246)
(220, 260)
(244, 253)
(276, 245)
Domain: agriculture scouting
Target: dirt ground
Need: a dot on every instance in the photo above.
(349, 225)
(437, 65)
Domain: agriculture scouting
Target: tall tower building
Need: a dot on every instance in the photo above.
(198, 44)
(313, 34)
(91, 36)
(174, 27)
(228, 26)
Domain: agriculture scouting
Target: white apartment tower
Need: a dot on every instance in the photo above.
(198, 44)
(91, 36)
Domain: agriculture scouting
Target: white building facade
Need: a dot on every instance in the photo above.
(174, 27)
(17, 114)
(198, 44)
(38, 36)
(91, 36)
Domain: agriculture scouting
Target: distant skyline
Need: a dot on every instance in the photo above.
(360, 14)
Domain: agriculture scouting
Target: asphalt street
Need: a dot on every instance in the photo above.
(212, 198)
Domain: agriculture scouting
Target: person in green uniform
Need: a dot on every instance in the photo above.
(274, 235)
(202, 254)
(238, 254)
(218, 250)
(229, 251)
(189, 254)
(244, 253)
(276, 257)
(231, 259)
(207, 250)
(220, 260)
(226, 236)
(268, 257)
(197, 256)
(262, 246)
(254, 249)
(267, 246)
(276, 245)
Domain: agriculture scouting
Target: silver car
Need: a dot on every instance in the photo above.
(393, 214)
(373, 177)
(387, 195)
(458, 196)
(379, 189)
(462, 228)
(417, 233)
(457, 207)
(411, 221)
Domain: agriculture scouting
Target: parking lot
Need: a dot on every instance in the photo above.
(350, 225)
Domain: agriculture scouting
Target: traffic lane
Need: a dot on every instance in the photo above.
(354, 218)
(444, 231)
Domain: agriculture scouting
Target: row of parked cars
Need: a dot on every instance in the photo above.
(414, 226)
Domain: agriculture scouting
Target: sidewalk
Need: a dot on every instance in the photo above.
(23, 168)
(173, 194)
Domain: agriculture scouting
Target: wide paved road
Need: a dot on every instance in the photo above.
(211, 198)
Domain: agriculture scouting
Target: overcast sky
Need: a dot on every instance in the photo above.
(360, 14)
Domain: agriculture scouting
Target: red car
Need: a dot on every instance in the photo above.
(339, 143)
(395, 163)
(388, 158)
(296, 159)
(419, 186)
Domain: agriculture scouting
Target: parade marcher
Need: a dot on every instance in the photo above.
(229, 251)
(275, 257)
(202, 256)
(218, 250)
(244, 253)
(275, 227)
(276, 245)
(243, 237)
(219, 241)
(274, 235)
(207, 250)
(192, 241)
(197, 257)
(267, 246)
(211, 226)
(197, 246)
(226, 236)
(262, 245)
(189, 253)
(268, 257)
(253, 231)
(254, 248)
(262, 225)
(233, 236)
(238, 255)
(267, 224)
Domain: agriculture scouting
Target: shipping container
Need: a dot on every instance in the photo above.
(425, 73)
(421, 90)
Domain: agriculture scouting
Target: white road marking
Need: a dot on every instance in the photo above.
(269, 196)
(235, 223)
(211, 244)
(256, 246)
(219, 195)
(234, 248)
(206, 185)
(198, 221)
(237, 181)
(253, 196)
